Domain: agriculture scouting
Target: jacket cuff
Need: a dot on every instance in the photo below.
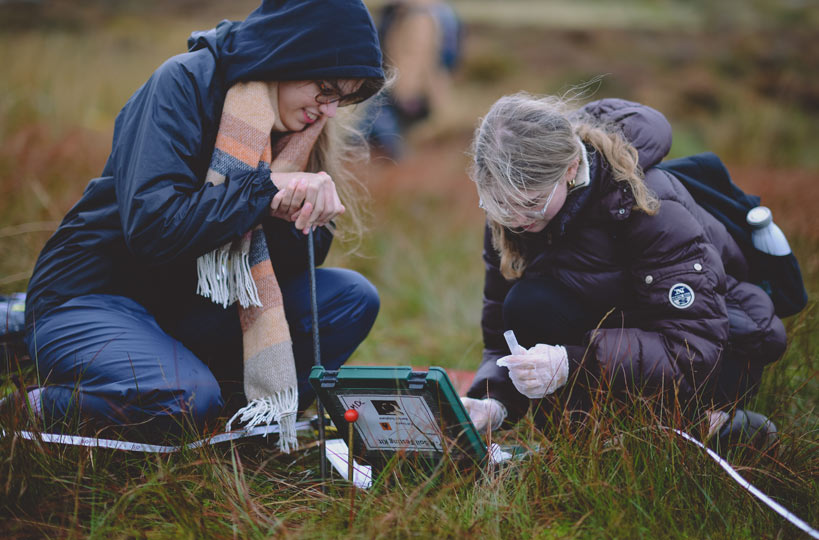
(515, 403)
(575, 353)
(514, 412)
(266, 187)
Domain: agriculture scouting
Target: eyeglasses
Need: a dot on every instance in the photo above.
(331, 92)
(542, 211)
(532, 214)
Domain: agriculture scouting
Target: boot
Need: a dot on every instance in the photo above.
(746, 428)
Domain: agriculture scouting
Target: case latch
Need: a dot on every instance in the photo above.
(329, 379)
(417, 380)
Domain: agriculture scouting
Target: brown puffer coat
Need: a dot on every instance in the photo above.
(678, 278)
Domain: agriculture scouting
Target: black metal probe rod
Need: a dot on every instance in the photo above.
(311, 256)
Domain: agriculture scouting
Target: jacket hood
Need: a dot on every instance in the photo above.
(296, 40)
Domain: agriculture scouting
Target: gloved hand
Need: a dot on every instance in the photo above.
(485, 412)
(539, 371)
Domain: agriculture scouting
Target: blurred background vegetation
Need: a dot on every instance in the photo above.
(735, 77)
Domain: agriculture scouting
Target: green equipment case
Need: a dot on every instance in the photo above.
(415, 414)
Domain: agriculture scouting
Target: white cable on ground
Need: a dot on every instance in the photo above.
(778, 508)
(76, 440)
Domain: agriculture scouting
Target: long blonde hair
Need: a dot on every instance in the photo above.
(339, 146)
(525, 145)
(342, 145)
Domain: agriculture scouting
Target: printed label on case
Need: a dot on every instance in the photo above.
(394, 422)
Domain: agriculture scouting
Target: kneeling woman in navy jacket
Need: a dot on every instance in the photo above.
(583, 228)
(236, 135)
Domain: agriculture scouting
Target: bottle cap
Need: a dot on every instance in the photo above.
(759, 217)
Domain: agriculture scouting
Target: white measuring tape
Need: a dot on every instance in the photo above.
(305, 425)
(93, 442)
(778, 508)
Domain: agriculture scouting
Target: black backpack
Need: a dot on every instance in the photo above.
(706, 178)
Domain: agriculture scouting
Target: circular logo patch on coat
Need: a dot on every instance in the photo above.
(681, 295)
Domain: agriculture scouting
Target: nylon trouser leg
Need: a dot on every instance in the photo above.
(105, 359)
(213, 333)
(542, 310)
(347, 305)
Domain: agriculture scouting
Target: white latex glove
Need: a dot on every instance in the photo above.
(485, 412)
(539, 371)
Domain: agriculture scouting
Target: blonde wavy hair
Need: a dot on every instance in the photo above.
(340, 146)
(337, 148)
(524, 146)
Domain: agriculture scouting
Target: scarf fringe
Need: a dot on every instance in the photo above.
(281, 408)
(224, 277)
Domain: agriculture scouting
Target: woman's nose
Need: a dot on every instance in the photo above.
(328, 109)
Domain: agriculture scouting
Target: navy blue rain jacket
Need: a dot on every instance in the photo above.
(139, 227)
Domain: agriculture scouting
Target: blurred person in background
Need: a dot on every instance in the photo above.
(610, 274)
(421, 42)
(143, 302)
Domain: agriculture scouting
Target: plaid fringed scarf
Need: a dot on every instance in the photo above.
(241, 271)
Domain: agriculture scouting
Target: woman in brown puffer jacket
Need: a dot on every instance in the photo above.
(583, 228)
